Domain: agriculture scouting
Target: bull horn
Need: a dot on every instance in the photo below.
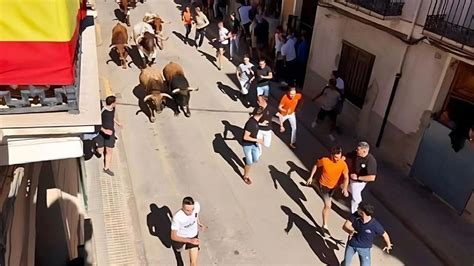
(148, 97)
(112, 46)
(193, 89)
(166, 95)
(175, 91)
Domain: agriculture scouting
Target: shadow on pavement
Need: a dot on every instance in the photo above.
(227, 153)
(236, 131)
(209, 58)
(137, 59)
(321, 247)
(139, 92)
(159, 224)
(233, 94)
(120, 15)
(291, 189)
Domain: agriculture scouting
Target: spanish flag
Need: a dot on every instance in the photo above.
(38, 41)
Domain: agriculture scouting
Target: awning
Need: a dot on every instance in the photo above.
(38, 40)
(28, 150)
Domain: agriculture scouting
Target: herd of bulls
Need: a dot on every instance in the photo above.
(148, 38)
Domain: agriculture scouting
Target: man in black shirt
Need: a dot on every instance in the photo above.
(264, 74)
(362, 169)
(265, 128)
(250, 142)
(106, 137)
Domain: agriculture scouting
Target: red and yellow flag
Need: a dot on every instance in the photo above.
(38, 40)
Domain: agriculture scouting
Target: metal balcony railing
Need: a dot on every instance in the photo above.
(39, 99)
(452, 19)
(383, 8)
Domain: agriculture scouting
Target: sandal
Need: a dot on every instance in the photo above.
(247, 180)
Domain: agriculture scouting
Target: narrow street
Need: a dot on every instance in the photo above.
(178, 156)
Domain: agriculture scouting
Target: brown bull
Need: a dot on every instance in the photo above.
(157, 23)
(179, 86)
(152, 80)
(119, 43)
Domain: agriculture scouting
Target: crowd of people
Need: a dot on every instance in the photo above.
(350, 172)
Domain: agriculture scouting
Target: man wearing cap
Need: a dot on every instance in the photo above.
(362, 169)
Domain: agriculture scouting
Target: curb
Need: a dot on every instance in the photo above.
(445, 258)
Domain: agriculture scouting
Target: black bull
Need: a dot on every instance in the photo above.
(180, 91)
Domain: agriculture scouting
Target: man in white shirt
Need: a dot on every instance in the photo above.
(185, 229)
(288, 53)
(222, 43)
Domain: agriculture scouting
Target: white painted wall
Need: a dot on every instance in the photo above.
(420, 75)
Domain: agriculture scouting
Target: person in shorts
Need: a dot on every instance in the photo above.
(245, 75)
(250, 142)
(106, 137)
(333, 168)
(222, 43)
(264, 74)
(185, 229)
(264, 124)
(330, 97)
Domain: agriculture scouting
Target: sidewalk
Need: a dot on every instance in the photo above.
(446, 234)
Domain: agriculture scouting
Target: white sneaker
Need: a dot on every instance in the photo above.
(314, 124)
(331, 137)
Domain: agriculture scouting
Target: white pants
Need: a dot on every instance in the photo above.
(292, 119)
(356, 192)
(266, 135)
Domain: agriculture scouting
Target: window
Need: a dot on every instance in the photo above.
(355, 68)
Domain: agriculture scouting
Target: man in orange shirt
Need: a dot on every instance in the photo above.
(332, 170)
(187, 21)
(287, 110)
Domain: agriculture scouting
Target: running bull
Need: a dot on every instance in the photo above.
(179, 86)
(152, 80)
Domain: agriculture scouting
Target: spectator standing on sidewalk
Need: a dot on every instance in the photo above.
(278, 41)
(185, 229)
(302, 53)
(261, 32)
(287, 109)
(250, 142)
(330, 96)
(106, 137)
(187, 21)
(333, 168)
(265, 127)
(362, 229)
(245, 75)
(288, 53)
(234, 35)
(362, 169)
(263, 74)
(202, 22)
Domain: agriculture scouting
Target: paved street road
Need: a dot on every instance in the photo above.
(179, 156)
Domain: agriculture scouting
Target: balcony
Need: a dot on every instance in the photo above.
(377, 8)
(451, 19)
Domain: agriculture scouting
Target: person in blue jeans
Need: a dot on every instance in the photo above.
(362, 229)
(263, 74)
(251, 143)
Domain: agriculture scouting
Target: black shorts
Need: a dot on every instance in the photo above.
(326, 192)
(220, 45)
(323, 113)
(179, 245)
(105, 140)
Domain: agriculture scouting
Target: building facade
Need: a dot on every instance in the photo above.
(408, 72)
(42, 191)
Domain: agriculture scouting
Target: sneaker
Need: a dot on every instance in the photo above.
(331, 137)
(109, 172)
(314, 124)
(292, 145)
(283, 83)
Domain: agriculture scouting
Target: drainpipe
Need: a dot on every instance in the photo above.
(398, 76)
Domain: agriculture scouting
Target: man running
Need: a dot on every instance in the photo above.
(263, 74)
(362, 229)
(185, 229)
(201, 22)
(265, 127)
(333, 168)
(106, 137)
(222, 43)
(250, 142)
(245, 75)
(287, 109)
(362, 169)
(330, 98)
